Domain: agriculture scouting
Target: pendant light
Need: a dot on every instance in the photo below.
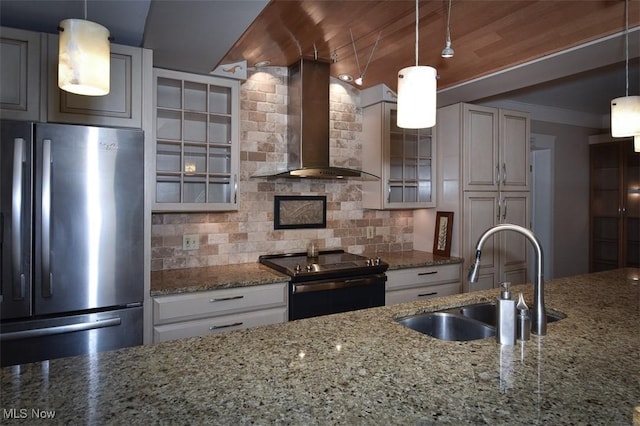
(416, 94)
(625, 111)
(83, 57)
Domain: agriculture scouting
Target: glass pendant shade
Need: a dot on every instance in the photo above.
(625, 116)
(83, 58)
(416, 97)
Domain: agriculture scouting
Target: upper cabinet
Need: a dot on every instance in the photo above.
(496, 149)
(29, 84)
(402, 158)
(20, 74)
(122, 107)
(483, 178)
(196, 142)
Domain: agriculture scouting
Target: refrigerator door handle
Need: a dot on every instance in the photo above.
(69, 328)
(16, 219)
(46, 219)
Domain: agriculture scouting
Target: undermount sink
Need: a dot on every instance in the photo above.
(448, 326)
(470, 322)
(486, 312)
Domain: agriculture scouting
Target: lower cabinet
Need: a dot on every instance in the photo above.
(504, 256)
(411, 284)
(209, 312)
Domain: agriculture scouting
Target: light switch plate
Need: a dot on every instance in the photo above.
(190, 242)
(371, 232)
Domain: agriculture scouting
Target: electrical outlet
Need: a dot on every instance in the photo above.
(190, 242)
(371, 232)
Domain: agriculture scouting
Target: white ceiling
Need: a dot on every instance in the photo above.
(193, 35)
(589, 91)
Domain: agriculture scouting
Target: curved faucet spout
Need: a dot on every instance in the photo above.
(539, 314)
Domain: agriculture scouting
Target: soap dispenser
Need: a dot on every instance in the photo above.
(524, 321)
(506, 316)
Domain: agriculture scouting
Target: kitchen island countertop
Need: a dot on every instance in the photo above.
(362, 367)
(249, 274)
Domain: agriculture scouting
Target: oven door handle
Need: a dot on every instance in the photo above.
(336, 284)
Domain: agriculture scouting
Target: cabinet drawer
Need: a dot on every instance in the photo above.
(421, 293)
(219, 324)
(423, 275)
(182, 307)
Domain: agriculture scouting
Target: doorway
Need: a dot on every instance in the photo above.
(542, 154)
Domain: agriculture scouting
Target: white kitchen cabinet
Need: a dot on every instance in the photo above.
(20, 74)
(496, 149)
(402, 158)
(471, 183)
(411, 284)
(29, 83)
(122, 107)
(504, 255)
(208, 312)
(196, 158)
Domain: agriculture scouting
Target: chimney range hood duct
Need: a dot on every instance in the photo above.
(308, 126)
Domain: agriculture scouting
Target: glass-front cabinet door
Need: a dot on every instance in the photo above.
(402, 158)
(196, 158)
(615, 206)
(410, 157)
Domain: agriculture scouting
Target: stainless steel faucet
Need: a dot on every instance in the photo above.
(539, 314)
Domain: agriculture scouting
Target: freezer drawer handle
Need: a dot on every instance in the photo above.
(16, 219)
(69, 328)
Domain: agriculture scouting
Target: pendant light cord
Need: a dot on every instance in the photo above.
(416, 33)
(85, 10)
(626, 45)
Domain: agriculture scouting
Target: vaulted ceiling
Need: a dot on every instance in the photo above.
(487, 35)
(490, 37)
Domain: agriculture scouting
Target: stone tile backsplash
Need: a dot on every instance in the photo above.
(241, 236)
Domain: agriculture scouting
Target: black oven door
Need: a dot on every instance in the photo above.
(315, 298)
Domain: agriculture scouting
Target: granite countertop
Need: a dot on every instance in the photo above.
(213, 278)
(414, 259)
(248, 274)
(362, 367)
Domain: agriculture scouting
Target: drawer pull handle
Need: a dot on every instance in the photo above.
(428, 273)
(218, 327)
(433, 293)
(222, 299)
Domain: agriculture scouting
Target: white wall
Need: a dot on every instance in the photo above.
(571, 196)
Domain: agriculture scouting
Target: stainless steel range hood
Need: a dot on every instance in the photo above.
(308, 126)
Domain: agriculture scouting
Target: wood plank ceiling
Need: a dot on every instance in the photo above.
(487, 35)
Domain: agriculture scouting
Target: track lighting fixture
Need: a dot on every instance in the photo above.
(447, 52)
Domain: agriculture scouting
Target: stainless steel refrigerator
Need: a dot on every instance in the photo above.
(71, 223)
